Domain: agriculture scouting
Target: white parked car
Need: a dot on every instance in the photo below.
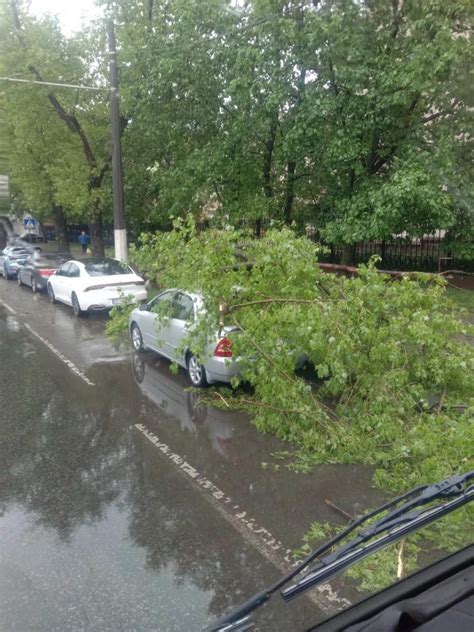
(168, 336)
(95, 285)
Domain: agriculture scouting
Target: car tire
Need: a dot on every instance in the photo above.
(76, 308)
(138, 368)
(34, 285)
(196, 371)
(137, 338)
(51, 295)
(18, 278)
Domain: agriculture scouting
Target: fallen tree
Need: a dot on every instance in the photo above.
(392, 375)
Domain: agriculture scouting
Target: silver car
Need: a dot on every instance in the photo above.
(148, 330)
(11, 258)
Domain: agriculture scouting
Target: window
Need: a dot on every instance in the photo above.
(73, 271)
(106, 267)
(162, 304)
(64, 269)
(183, 307)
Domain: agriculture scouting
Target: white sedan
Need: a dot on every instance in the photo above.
(95, 285)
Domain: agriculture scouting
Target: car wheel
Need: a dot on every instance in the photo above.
(18, 278)
(34, 286)
(52, 298)
(138, 368)
(137, 339)
(196, 371)
(76, 308)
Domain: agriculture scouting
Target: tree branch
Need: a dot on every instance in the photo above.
(268, 301)
(437, 115)
(70, 120)
(284, 375)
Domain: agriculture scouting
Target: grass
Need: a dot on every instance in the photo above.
(462, 298)
(75, 249)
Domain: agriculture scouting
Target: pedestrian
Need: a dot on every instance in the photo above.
(84, 240)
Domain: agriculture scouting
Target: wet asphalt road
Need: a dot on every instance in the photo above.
(125, 504)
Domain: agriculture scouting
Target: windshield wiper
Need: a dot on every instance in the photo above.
(405, 514)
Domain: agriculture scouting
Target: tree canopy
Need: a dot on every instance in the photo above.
(350, 116)
(59, 148)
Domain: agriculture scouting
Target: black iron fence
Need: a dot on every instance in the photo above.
(429, 253)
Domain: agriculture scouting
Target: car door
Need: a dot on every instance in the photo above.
(182, 317)
(72, 282)
(59, 281)
(154, 332)
(26, 271)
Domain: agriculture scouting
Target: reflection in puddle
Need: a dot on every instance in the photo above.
(184, 406)
(97, 533)
(12, 324)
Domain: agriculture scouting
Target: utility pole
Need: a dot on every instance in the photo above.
(120, 231)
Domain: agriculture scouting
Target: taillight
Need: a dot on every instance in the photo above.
(223, 349)
(45, 272)
(94, 287)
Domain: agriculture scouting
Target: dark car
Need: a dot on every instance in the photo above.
(38, 268)
(31, 238)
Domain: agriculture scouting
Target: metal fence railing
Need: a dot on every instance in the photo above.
(429, 253)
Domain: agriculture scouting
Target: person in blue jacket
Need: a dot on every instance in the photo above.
(84, 240)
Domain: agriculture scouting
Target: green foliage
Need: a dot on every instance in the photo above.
(394, 377)
(348, 115)
(58, 137)
(117, 323)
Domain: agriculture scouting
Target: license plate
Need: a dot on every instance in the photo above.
(116, 301)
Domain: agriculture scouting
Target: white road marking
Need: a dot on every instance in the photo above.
(59, 355)
(324, 596)
(10, 309)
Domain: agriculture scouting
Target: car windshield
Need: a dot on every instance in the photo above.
(106, 267)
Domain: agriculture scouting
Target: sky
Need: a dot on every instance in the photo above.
(71, 13)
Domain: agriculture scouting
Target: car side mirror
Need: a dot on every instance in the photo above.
(143, 307)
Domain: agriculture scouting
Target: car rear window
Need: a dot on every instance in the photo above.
(45, 260)
(106, 267)
(19, 252)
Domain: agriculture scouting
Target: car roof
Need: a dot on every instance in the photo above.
(194, 295)
(94, 260)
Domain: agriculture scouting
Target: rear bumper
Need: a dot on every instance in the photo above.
(221, 369)
(12, 266)
(94, 302)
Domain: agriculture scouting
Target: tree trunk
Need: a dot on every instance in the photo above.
(97, 236)
(290, 175)
(60, 225)
(348, 255)
(268, 156)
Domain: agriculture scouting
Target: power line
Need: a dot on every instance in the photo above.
(57, 85)
(231, 34)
